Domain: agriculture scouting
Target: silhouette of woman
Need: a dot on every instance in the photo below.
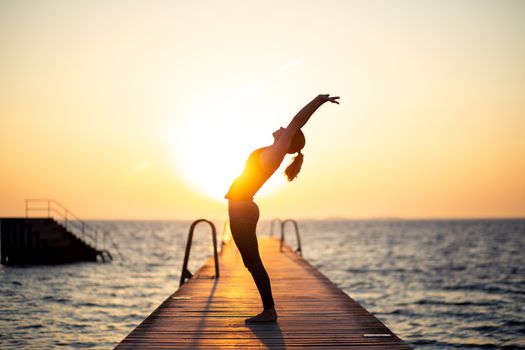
(244, 213)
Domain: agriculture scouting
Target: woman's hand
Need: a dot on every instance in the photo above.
(327, 98)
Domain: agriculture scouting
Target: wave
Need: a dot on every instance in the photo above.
(454, 303)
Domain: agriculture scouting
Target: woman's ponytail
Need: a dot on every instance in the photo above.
(295, 167)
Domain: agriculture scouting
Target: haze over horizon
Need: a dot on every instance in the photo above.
(148, 110)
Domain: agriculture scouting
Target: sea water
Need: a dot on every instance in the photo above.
(438, 284)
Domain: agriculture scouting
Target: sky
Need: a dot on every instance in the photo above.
(148, 109)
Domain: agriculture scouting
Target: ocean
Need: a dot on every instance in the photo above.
(438, 284)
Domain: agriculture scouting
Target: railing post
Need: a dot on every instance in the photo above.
(48, 208)
(272, 224)
(298, 250)
(225, 237)
(185, 272)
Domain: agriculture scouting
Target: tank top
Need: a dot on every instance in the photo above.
(251, 179)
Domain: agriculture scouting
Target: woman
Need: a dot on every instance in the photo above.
(244, 213)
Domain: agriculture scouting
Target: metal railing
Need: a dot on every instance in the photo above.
(298, 237)
(52, 209)
(274, 221)
(226, 234)
(186, 274)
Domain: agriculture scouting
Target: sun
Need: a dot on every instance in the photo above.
(209, 151)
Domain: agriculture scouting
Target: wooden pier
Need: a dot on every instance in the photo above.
(208, 313)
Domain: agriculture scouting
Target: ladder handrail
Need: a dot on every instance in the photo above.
(296, 226)
(225, 236)
(276, 220)
(115, 246)
(186, 274)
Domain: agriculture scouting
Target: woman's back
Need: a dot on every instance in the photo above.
(251, 179)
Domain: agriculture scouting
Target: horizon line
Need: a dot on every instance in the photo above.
(335, 218)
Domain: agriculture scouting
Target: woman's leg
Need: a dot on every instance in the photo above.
(243, 223)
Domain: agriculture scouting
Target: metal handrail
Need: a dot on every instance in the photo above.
(283, 223)
(225, 236)
(115, 246)
(186, 274)
(278, 221)
(54, 209)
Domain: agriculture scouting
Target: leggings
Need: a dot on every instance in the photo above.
(243, 221)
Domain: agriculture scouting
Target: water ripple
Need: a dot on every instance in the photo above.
(443, 284)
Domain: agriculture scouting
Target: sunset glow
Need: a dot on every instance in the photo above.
(210, 145)
(151, 113)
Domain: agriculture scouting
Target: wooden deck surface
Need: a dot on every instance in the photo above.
(209, 313)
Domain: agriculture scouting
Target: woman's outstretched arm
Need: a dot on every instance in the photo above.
(306, 112)
(272, 157)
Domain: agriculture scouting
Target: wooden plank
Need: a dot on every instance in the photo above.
(209, 313)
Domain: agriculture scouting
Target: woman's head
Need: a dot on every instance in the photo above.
(296, 146)
(297, 143)
(277, 133)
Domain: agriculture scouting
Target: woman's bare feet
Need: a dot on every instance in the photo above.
(268, 315)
